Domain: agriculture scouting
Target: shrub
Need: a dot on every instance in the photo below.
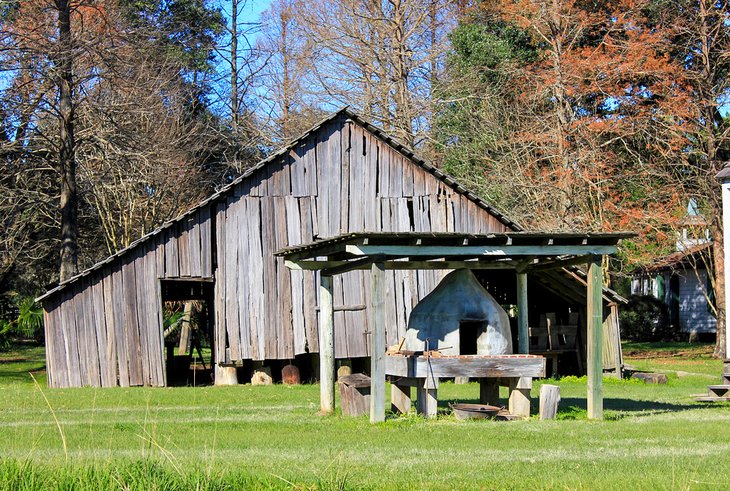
(646, 318)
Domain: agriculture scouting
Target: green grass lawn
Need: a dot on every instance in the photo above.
(654, 437)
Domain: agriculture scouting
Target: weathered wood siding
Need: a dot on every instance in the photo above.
(695, 316)
(106, 329)
(341, 179)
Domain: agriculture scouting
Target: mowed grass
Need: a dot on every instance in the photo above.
(654, 437)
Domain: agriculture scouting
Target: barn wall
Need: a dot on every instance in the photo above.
(106, 329)
(340, 179)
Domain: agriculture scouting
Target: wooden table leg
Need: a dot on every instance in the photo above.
(400, 397)
(519, 396)
(489, 391)
(427, 397)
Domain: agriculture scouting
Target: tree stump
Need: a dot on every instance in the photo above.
(549, 400)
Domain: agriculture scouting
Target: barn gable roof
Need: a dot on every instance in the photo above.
(345, 112)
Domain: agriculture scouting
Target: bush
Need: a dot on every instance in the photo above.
(646, 318)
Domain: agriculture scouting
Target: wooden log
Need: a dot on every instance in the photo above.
(225, 375)
(489, 391)
(519, 396)
(595, 339)
(400, 398)
(523, 337)
(326, 347)
(549, 400)
(377, 357)
(186, 329)
(471, 366)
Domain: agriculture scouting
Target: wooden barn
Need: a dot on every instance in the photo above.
(104, 327)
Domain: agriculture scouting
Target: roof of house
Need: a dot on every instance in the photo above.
(677, 260)
(228, 188)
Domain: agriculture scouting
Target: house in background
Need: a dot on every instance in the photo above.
(683, 280)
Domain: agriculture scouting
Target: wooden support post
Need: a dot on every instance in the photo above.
(549, 400)
(427, 397)
(489, 391)
(519, 396)
(377, 344)
(523, 337)
(326, 347)
(400, 398)
(595, 339)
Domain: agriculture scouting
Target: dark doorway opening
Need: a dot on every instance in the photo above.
(187, 306)
(469, 331)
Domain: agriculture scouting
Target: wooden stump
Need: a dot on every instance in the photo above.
(225, 375)
(549, 400)
(343, 371)
(290, 375)
(262, 376)
(355, 394)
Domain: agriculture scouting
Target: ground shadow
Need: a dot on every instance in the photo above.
(572, 405)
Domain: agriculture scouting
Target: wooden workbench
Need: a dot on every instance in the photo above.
(424, 372)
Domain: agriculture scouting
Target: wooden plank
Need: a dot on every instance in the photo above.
(384, 172)
(117, 301)
(194, 245)
(473, 366)
(153, 319)
(370, 180)
(310, 166)
(595, 341)
(183, 247)
(407, 168)
(49, 334)
(298, 170)
(231, 278)
(243, 295)
(85, 325)
(378, 297)
(131, 325)
(141, 308)
(294, 230)
(219, 288)
(339, 318)
(172, 255)
(395, 186)
(419, 182)
(326, 347)
(345, 191)
(271, 310)
(106, 368)
(285, 335)
(256, 280)
(357, 177)
(206, 242)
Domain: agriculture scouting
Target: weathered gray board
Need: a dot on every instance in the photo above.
(106, 328)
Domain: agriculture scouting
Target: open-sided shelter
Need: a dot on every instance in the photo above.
(104, 327)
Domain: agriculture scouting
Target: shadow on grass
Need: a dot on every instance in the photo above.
(576, 407)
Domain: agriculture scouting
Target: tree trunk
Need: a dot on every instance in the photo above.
(67, 147)
(234, 65)
(719, 263)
